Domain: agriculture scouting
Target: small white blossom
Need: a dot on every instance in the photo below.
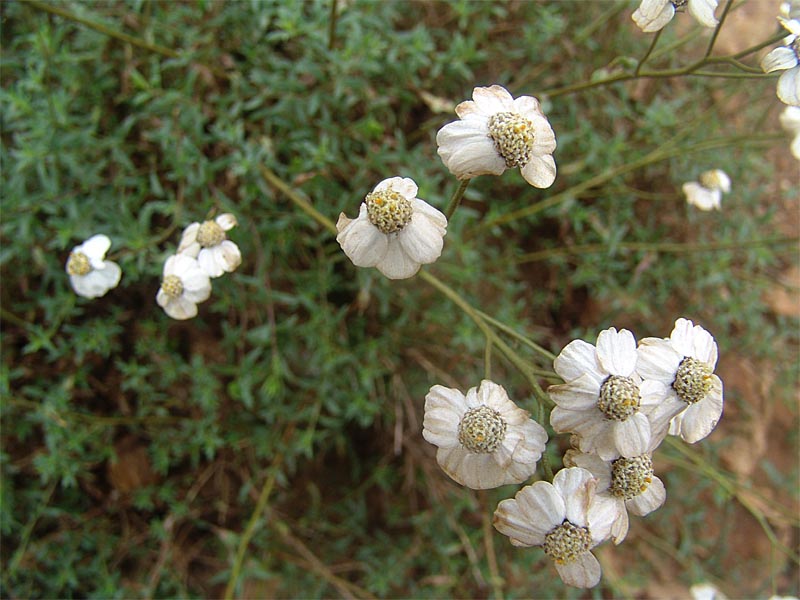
(653, 15)
(706, 194)
(484, 440)
(497, 132)
(605, 401)
(184, 285)
(208, 243)
(790, 121)
(786, 58)
(90, 274)
(566, 518)
(629, 483)
(395, 231)
(683, 367)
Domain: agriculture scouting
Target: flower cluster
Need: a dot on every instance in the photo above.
(706, 194)
(204, 253)
(653, 15)
(619, 400)
(786, 59)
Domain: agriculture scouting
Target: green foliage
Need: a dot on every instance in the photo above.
(135, 447)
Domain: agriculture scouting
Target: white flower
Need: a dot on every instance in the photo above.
(484, 439)
(497, 132)
(184, 285)
(653, 15)
(630, 483)
(790, 121)
(604, 400)
(786, 58)
(566, 518)
(707, 193)
(395, 231)
(706, 591)
(683, 366)
(208, 243)
(90, 275)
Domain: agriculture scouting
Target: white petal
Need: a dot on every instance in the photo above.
(402, 185)
(422, 239)
(578, 357)
(658, 360)
(540, 171)
(789, 87)
(226, 221)
(600, 469)
(700, 419)
(779, 59)
(583, 572)
(577, 487)
(528, 107)
(701, 197)
(607, 516)
(649, 500)
(542, 505)
(397, 263)
(632, 436)
(494, 99)
(616, 352)
(361, 241)
(180, 309)
(579, 394)
(475, 471)
(98, 281)
(95, 247)
(467, 150)
(189, 244)
(703, 11)
(653, 15)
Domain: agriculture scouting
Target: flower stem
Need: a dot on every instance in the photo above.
(718, 28)
(301, 202)
(456, 199)
(332, 24)
(650, 49)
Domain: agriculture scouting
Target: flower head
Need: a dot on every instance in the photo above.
(566, 518)
(604, 400)
(629, 483)
(90, 274)
(484, 439)
(653, 15)
(208, 243)
(683, 367)
(184, 285)
(497, 132)
(707, 193)
(790, 121)
(395, 231)
(786, 58)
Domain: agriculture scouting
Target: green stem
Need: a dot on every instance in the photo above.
(718, 28)
(455, 201)
(650, 49)
(332, 24)
(301, 202)
(675, 247)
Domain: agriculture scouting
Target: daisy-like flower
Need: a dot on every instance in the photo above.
(208, 243)
(484, 439)
(604, 400)
(395, 231)
(790, 121)
(629, 482)
(787, 59)
(706, 194)
(653, 15)
(90, 274)
(497, 132)
(683, 367)
(566, 518)
(185, 284)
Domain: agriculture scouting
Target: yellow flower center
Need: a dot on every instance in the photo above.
(78, 264)
(567, 542)
(631, 476)
(619, 398)
(388, 210)
(481, 430)
(172, 286)
(693, 380)
(210, 234)
(513, 138)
